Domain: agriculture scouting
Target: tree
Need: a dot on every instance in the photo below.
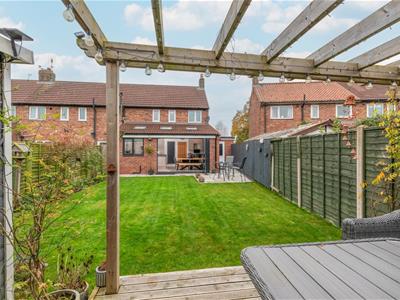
(223, 130)
(240, 124)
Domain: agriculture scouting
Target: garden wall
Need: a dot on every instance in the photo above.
(321, 173)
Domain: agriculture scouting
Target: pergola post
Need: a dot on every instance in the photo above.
(112, 108)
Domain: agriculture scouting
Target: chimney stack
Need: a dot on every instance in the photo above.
(47, 75)
(255, 80)
(201, 82)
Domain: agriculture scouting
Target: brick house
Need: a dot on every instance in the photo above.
(161, 125)
(279, 106)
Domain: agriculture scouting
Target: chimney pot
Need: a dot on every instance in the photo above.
(47, 75)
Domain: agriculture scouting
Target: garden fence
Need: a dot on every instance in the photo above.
(326, 173)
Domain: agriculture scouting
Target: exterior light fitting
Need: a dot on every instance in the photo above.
(207, 72)
(232, 76)
(351, 81)
(68, 14)
(89, 40)
(369, 85)
(260, 76)
(122, 66)
(282, 79)
(308, 79)
(147, 71)
(160, 68)
(99, 56)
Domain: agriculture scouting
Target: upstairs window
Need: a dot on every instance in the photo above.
(194, 116)
(314, 111)
(282, 112)
(37, 112)
(82, 114)
(64, 113)
(156, 115)
(343, 111)
(374, 109)
(172, 116)
(133, 147)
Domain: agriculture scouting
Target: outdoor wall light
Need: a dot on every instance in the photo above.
(89, 40)
(122, 66)
(232, 76)
(351, 81)
(369, 85)
(207, 73)
(260, 76)
(99, 56)
(308, 79)
(79, 34)
(160, 68)
(282, 79)
(68, 14)
(147, 71)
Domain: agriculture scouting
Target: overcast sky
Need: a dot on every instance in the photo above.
(192, 24)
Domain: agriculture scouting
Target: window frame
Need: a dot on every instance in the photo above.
(159, 115)
(13, 111)
(169, 116)
(195, 120)
(133, 148)
(79, 114)
(37, 114)
(374, 108)
(345, 117)
(311, 111)
(279, 109)
(61, 115)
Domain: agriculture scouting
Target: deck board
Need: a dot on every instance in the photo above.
(228, 283)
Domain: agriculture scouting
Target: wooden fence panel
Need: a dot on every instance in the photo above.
(306, 173)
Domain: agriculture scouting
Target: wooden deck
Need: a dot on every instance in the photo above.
(211, 284)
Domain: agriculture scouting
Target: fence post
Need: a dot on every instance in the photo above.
(272, 166)
(360, 172)
(299, 172)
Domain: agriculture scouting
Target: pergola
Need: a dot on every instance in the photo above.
(318, 65)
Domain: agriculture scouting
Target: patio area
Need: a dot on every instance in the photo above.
(216, 283)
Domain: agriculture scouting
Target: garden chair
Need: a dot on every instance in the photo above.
(240, 168)
(383, 226)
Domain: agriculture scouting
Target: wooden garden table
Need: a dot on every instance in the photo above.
(356, 269)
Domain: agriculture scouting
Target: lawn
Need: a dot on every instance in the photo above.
(175, 223)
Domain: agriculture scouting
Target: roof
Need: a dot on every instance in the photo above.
(83, 93)
(168, 129)
(307, 129)
(315, 91)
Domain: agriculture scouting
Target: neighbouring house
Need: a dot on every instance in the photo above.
(279, 106)
(163, 128)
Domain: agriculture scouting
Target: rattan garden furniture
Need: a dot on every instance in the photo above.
(383, 226)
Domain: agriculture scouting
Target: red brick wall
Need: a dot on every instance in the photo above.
(258, 115)
(146, 115)
(135, 164)
(228, 147)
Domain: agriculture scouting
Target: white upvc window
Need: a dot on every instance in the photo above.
(82, 114)
(374, 109)
(13, 111)
(391, 107)
(282, 112)
(37, 112)
(194, 116)
(314, 111)
(172, 116)
(343, 111)
(156, 115)
(64, 113)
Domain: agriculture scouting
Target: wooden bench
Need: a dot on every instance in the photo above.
(184, 165)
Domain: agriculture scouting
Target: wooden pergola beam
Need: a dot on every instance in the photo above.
(86, 20)
(395, 63)
(378, 54)
(232, 21)
(196, 60)
(158, 24)
(309, 17)
(384, 17)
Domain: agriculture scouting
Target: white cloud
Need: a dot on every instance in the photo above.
(180, 16)
(334, 23)
(367, 5)
(9, 23)
(244, 46)
(143, 40)
(295, 54)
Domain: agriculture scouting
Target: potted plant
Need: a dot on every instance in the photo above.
(71, 274)
(101, 275)
(149, 150)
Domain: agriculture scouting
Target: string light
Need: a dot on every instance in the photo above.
(328, 80)
(147, 71)
(160, 68)
(393, 85)
(68, 14)
(282, 79)
(260, 76)
(89, 40)
(99, 56)
(122, 66)
(232, 76)
(308, 79)
(369, 85)
(351, 81)
(207, 73)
